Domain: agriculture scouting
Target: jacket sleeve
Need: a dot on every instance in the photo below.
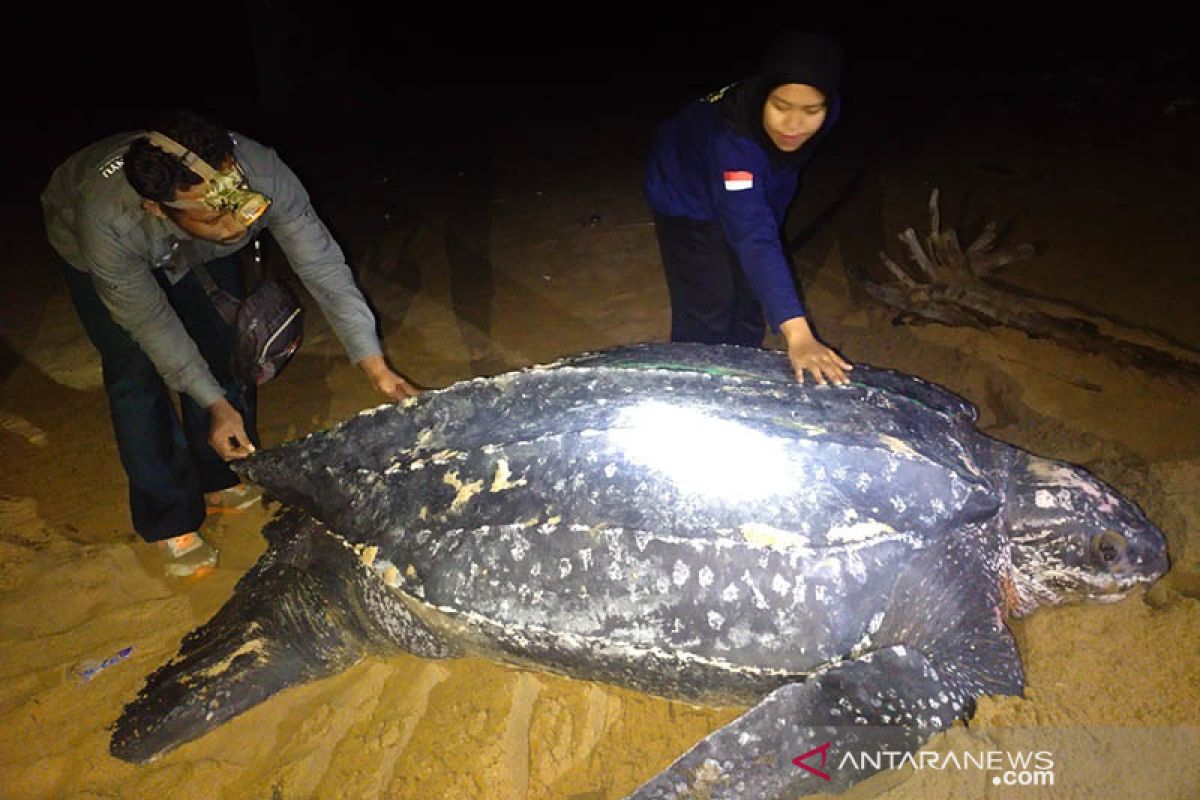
(738, 173)
(319, 262)
(126, 285)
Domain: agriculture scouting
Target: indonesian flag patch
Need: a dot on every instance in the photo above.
(738, 180)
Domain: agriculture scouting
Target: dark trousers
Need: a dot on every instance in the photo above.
(711, 299)
(167, 459)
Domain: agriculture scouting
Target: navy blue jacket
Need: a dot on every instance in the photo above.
(701, 167)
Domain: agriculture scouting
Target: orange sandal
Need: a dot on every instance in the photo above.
(188, 556)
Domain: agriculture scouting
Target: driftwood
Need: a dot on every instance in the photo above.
(953, 286)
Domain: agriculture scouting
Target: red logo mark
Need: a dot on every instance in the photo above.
(824, 751)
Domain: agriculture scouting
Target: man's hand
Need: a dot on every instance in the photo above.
(227, 431)
(806, 352)
(387, 382)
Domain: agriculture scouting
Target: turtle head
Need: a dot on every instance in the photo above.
(1073, 538)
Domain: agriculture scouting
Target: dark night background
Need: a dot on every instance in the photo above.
(301, 76)
(349, 92)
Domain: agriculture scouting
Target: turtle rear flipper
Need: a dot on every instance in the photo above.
(307, 610)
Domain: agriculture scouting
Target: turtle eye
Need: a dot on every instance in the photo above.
(1108, 546)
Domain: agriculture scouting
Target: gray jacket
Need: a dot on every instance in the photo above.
(95, 221)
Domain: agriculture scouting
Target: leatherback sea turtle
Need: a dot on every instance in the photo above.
(685, 520)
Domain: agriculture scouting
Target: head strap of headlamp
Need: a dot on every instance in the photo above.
(227, 191)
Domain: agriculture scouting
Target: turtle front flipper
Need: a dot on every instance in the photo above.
(940, 644)
(795, 742)
(307, 610)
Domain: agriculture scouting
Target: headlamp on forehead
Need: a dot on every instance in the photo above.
(227, 191)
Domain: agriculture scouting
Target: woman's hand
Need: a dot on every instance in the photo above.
(806, 352)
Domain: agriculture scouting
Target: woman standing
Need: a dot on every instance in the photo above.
(721, 176)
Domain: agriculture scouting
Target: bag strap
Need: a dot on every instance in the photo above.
(225, 303)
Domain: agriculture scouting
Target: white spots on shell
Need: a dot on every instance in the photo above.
(662, 584)
(898, 503)
(680, 573)
(535, 569)
(742, 637)
(730, 594)
(1043, 499)
(705, 577)
(641, 539)
(800, 592)
(585, 559)
(864, 481)
(502, 479)
(564, 568)
(760, 602)
(610, 470)
(780, 585)
(715, 620)
(819, 593)
(875, 623)
(520, 548)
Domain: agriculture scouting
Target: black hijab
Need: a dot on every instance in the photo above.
(806, 57)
